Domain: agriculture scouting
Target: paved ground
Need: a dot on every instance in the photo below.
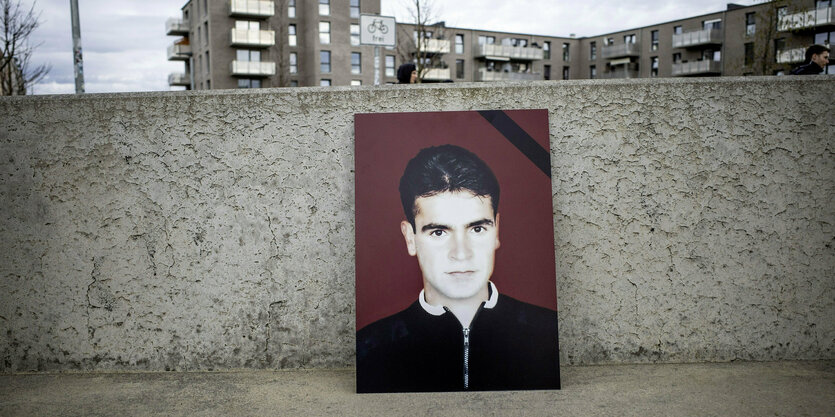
(730, 389)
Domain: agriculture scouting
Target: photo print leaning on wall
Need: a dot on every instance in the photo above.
(455, 272)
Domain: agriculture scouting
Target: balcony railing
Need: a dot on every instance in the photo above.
(791, 56)
(508, 52)
(179, 52)
(435, 46)
(253, 37)
(436, 74)
(176, 27)
(628, 70)
(178, 78)
(485, 74)
(807, 19)
(251, 8)
(253, 68)
(621, 51)
(698, 38)
(703, 67)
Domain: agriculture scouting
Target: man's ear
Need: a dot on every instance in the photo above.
(409, 236)
(498, 244)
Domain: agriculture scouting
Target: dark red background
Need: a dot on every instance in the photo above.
(388, 279)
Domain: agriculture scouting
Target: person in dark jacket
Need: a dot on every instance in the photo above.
(407, 74)
(817, 58)
(460, 333)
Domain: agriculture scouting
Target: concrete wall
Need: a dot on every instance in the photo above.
(694, 222)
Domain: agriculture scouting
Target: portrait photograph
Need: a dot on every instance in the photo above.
(455, 266)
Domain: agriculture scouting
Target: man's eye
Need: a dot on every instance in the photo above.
(437, 233)
(478, 229)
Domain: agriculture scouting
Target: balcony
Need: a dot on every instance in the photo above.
(437, 74)
(702, 37)
(435, 46)
(508, 52)
(485, 74)
(704, 67)
(251, 8)
(178, 79)
(176, 27)
(253, 68)
(179, 52)
(621, 51)
(805, 20)
(629, 70)
(791, 56)
(252, 37)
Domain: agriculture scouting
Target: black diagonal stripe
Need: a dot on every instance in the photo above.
(520, 139)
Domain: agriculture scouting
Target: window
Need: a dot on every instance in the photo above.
(459, 68)
(566, 55)
(248, 55)
(459, 44)
(356, 82)
(546, 72)
(199, 34)
(205, 33)
(294, 63)
(593, 51)
(291, 8)
(711, 55)
(205, 8)
(324, 33)
(653, 71)
(355, 34)
(389, 65)
(712, 24)
(248, 83)
(324, 8)
(324, 61)
(486, 40)
(546, 50)
(208, 69)
(208, 84)
(355, 9)
(294, 83)
(825, 38)
(565, 73)
(750, 23)
(592, 72)
(654, 37)
(608, 41)
(749, 53)
(247, 25)
(324, 82)
(781, 14)
(629, 38)
(677, 58)
(677, 30)
(291, 40)
(356, 63)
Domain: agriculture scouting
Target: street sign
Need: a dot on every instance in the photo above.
(377, 30)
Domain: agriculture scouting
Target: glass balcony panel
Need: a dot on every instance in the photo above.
(698, 38)
(251, 37)
(807, 19)
(791, 56)
(485, 74)
(704, 67)
(508, 52)
(179, 52)
(252, 8)
(175, 26)
(622, 50)
(253, 68)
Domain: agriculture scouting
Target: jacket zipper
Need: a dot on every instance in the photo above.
(466, 358)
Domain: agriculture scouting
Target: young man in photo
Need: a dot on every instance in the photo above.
(460, 333)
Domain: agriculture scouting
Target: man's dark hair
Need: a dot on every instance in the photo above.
(815, 50)
(439, 169)
(404, 73)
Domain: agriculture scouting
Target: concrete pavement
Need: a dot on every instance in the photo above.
(723, 389)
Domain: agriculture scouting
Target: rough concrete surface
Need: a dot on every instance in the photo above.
(214, 230)
(730, 389)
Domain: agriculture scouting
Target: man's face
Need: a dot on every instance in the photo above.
(821, 59)
(455, 240)
(413, 78)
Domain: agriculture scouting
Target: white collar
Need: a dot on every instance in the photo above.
(438, 310)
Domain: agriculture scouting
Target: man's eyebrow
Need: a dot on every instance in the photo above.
(434, 226)
(482, 222)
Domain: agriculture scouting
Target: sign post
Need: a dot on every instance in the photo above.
(378, 31)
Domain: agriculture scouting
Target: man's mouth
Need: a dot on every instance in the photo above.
(460, 274)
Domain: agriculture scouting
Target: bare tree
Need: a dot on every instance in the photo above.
(419, 46)
(16, 26)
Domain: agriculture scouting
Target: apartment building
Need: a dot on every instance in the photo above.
(246, 43)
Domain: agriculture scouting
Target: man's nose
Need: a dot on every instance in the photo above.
(461, 248)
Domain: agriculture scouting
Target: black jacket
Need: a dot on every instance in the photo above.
(809, 68)
(512, 346)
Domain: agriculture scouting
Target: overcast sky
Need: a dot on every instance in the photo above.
(124, 42)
